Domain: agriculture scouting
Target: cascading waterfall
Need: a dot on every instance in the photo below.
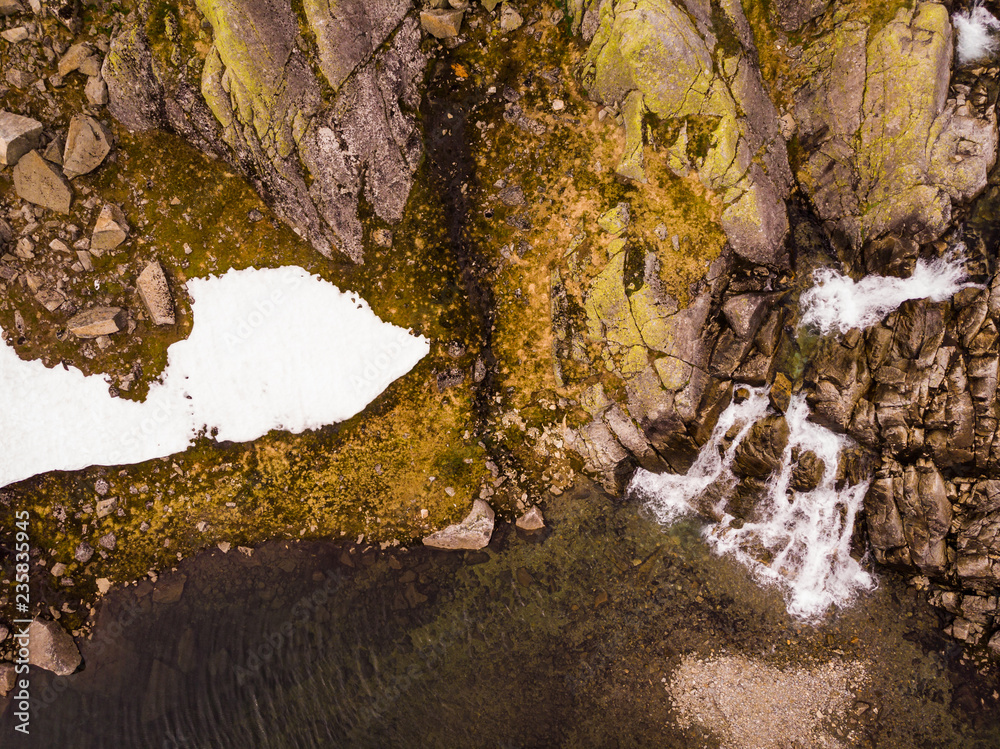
(837, 302)
(799, 541)
(802, 540)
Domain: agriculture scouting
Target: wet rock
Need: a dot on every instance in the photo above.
(170, 589)
(808, 472)
(87, 145)
(532, 520)
(780, 394)
(473, 532)
(155, 294)
(442, 24)
(745, 312)
(41, 183)
(18, 135)
(760, 452)
(97, 322)
(110, 230)
(52, 648)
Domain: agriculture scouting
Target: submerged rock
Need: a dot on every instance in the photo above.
(52, 648)
(532, 520)
(474, 532)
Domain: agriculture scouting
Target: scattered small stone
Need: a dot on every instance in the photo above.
(103, 585)
(253, 216)
(51, 299)
(102, 487)
(383, 237)
(8, 677)
(155, 294)
(106, 506)
(110, 230)
(224, 546)
(97, 321)
(96, 91)
(489, 4)
(87, 145)
(25, 248)
(86, 260)
(41, 183)
(58, 569)
(15, 35)
(73, 58)
(54, 150)
(58, 245)
(532, 520)
(107, 541)
(474, 532)
(513, 195)
(510, 19)
(19, 78)
(84, 552)
(442, 24)
(558, 105)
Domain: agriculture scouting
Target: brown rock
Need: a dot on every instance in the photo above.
(155, 294)
(97, 322)
(442, 23)
(531, 520)
(808, 472)
(87, 145)
(781, 393)
(41, 183)
(52, 648)
(18, 135)
(759, 454)
(110, 230)
(474, 532)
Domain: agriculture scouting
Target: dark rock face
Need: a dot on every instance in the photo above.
(760, 453)
(260, 104)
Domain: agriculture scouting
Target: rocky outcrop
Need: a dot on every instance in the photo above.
(886, 149)
(314, 142)
(696, 73)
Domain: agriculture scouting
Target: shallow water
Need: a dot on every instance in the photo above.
(565, 639)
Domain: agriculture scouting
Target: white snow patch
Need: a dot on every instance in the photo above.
(837, 302)
(269, 349)
(802, 541)
(975, 38)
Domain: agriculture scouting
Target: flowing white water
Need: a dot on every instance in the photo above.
(837, 302)
(802, 540)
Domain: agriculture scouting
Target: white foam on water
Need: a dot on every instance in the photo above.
(270, 349)
(975, 34)
(802, 541)
(837, 302)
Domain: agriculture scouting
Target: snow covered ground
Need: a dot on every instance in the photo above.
(269, 349)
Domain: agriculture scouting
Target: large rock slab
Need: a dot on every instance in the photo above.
(18, 135)
(259, 103)
(87, 145)
(97, 321)
(472, 533)
(41, 183)
(155, 294)
(650, 56)
(52, 648)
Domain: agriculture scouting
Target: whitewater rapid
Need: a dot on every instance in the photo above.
(837, 302)
(802, 541)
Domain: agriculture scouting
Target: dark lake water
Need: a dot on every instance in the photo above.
(563, 638)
